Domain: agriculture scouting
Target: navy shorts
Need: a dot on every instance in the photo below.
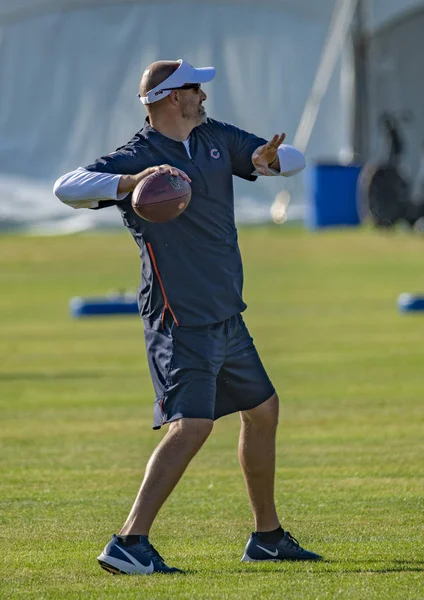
(205, 372)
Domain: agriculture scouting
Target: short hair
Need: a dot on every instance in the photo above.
(156, 73)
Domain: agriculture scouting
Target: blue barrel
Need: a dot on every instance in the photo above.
(332, 195)
(411, 303)
(108, 305)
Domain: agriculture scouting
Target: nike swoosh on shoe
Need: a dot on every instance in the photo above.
(271, 552)
(147, 569)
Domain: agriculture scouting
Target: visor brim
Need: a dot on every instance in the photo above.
(202, 75)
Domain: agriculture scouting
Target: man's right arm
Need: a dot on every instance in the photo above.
(99, 185)
(87, 189)
(105, 182)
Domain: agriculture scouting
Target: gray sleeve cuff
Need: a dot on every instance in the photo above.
(85, 189)
(291, 159)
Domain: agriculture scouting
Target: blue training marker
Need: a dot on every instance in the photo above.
(410, 303)
(108, 305)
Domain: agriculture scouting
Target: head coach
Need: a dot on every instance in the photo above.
(202, 360)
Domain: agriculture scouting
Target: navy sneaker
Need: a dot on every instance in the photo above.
(138, 558)
(288, 548)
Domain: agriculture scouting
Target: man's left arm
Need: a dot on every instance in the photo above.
(252, 156)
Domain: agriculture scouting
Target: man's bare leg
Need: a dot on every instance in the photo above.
(163, 471)
(257, 459)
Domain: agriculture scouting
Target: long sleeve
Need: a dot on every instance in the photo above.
(85, 189)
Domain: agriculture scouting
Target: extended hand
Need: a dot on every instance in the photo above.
(265, 155)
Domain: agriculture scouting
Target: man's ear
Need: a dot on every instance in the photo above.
(174, 97)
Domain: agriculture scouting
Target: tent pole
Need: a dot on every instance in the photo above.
(343, 14)
(361, 43)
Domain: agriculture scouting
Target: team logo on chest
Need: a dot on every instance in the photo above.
(215, 153)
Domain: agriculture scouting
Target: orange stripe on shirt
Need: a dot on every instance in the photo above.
(162, 289)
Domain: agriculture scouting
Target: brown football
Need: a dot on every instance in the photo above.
(161, 197)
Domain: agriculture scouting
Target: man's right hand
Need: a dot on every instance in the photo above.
(127, 183)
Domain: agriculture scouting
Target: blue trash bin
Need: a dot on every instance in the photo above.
(332, 195)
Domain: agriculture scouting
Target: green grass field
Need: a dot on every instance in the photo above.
(76, 411)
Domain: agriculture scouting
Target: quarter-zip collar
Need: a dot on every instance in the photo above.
(153, 135)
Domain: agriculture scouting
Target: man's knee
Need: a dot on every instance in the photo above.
(196, 430)
(264, 415)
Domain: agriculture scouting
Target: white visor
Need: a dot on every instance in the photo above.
(184, 74)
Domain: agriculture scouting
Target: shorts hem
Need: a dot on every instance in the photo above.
(250, 407)
(177, 417)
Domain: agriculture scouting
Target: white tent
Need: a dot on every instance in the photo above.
(69, 74)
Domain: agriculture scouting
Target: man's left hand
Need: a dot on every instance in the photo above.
(266, 156)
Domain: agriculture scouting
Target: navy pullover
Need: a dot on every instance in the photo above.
(191, 266)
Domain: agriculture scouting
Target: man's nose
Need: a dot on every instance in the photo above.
(202, 96)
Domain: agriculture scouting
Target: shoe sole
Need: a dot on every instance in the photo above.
(246, 559)
(119, 567)
(110, 569)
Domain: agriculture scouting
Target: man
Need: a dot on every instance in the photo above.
(202, 359)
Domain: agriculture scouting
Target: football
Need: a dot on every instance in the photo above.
(161, 197)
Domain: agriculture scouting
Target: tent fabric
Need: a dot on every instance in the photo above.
(23, 9)
(383, 13)
(69, 79)
(380, 11)
(397, 87)
(70, 69)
